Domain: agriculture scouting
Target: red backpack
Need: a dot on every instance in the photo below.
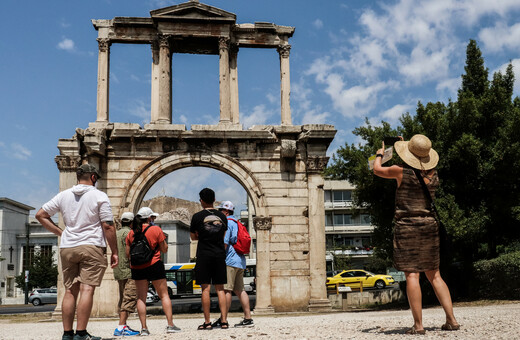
(243, 243)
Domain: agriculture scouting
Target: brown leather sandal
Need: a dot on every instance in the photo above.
(413, 331)
(449, 327)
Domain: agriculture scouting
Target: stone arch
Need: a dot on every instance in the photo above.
(150, 173)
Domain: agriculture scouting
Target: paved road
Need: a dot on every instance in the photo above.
(183, 305)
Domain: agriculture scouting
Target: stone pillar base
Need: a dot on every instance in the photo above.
(56, 315)
(319, 305)
(264, 310)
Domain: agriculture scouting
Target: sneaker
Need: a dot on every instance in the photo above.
(126, 331)
(172, 329)
(86, 337)
(67, 337)
(145, 332)
(216, 324)
(246, 323)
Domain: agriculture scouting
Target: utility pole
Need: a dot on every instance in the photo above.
(27, 259)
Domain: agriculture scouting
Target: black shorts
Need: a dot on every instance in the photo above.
(152, 273)
(211, 271)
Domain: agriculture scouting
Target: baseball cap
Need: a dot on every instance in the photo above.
(127, 216)
(155, 214)
(226, 205)
(88, 169)
(145, 212)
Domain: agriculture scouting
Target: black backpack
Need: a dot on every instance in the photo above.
(140, 250)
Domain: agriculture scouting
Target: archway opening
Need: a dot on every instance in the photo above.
(175, 197)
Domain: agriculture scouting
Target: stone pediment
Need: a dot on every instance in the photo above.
(193, 10)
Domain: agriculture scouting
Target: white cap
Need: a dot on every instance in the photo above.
(155, 214)
(227, 205)
(127, 216)
(145, 212)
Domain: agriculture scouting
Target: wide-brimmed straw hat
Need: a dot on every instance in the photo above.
(418, 152)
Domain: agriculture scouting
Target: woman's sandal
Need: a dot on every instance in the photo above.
(449, 327)
(205, 326)
(224, 325)
(414, 331)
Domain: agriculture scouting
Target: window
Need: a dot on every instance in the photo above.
(46, 250)
(328, 219)
(342, 196)
(342, 219)
(26, 264)
(328, 195)
(365, 219)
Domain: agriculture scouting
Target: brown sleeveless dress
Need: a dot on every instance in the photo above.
(416, 233)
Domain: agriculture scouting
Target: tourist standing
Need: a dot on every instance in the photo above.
(88, 220)
(123, 275)
(151, 271)
(416, 231)
(209, 227)
(235, 266)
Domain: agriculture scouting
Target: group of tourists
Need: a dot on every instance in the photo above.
(136, 257)
(89, 224)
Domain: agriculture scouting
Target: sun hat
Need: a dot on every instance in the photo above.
(227, 205)
(127, 217)
(417, 152)
(88, 169)
(145, 212)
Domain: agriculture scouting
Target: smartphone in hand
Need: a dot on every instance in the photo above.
(390, 140)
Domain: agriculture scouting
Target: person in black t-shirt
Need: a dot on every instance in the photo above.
(209, 227)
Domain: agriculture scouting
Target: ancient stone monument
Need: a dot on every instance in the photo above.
(278, 166)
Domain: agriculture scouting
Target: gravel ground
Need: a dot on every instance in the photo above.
(492, 321)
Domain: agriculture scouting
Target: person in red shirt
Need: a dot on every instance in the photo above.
(153, 271)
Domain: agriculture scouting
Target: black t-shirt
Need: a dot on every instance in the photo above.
(211, 226)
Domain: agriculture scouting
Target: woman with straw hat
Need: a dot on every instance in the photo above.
(416, 231)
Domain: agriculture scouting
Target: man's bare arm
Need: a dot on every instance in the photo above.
(110, 234)
(45, 219)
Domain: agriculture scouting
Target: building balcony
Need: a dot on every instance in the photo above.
(358, 251)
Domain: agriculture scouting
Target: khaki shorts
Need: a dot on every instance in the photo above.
(235, 279)
(85, 264)
(127, 296)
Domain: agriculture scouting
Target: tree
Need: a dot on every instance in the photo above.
(42, 272)
(478, 139)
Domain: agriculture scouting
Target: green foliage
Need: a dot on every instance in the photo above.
(43, 273)
(477, 138)
(498, 277)
(377, 265)
(342, 262)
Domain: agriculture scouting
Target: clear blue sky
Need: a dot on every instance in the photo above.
(349, 60)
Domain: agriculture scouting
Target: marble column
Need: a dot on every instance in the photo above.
(165, 81)
(263, 227)
(154, 107)
(103, 79)
(285, 84)
(233, 77)
(318, 292)
(225, 103)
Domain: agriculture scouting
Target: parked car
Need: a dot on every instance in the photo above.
(353, 279)
(40, 296)
(151, 297)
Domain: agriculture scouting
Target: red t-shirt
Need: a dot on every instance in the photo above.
(155, 236)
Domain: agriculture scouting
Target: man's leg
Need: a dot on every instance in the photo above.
(68, 307)
(244, 301)
(85, 302)
(206, 302)
(222, 303)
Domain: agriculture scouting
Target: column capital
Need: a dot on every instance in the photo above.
(104, 44)
(223, 43)
(316, 164)
(284, 50)
(67, 163)
(263, 223)
(164, 40)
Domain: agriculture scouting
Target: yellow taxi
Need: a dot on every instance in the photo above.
(355, 277)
